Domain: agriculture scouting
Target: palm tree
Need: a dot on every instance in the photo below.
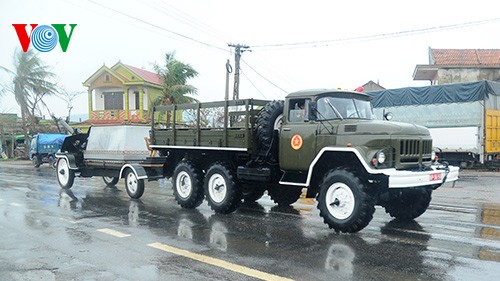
(175, 75)
(30, 84)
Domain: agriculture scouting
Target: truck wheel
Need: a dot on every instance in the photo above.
(133, 185)
(409, 204)
(285, 195)
(268, 120)
(110, 181)
(52, 161)
(221, 190)
(188, 185)
(343, 201)
(36, 161)
(251, 192)
(65, 176)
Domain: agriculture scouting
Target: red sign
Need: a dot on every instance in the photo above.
(296, 142)
(435, 177)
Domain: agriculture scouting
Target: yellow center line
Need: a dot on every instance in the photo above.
(217, 262)
(113, 232)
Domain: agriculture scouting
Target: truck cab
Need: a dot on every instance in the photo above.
(319, 119)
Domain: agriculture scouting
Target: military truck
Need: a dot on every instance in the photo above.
(325, 141)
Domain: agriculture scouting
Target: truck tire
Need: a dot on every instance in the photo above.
(343, 201)
(133, 185)
(187, 181)
(36, 160)
(110, 181)
(251, 192)
(409, 204)
(52, 161)
(285, 195)
(221, 189)
(268, 120)
(65, 176)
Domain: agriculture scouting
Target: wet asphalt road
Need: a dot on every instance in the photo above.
(92, 232)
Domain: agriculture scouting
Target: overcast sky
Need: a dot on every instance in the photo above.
(140, 32)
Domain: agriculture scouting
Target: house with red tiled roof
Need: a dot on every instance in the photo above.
(459, 65)
(121, 94)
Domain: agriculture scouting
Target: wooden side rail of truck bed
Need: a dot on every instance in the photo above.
(228, 124)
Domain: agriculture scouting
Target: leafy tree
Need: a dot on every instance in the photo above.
(31, 82)
(175, 75)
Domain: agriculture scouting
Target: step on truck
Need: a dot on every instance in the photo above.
(324, 141)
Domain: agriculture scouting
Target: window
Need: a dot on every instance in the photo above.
(344, 107)
(297, 111)
(113, 100)
(107, 78)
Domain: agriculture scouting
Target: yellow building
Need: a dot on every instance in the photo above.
(121, 94)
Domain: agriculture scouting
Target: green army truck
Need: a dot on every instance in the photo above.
(325, 141)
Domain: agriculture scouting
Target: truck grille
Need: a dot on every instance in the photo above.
(415, 151)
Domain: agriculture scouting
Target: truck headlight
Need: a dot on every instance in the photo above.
(433, 156)
(379, 158)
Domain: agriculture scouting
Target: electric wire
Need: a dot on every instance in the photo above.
(263, 77)
(160, 27)
(270, 68)
(249, 80)
(191, 21)
(326, 43)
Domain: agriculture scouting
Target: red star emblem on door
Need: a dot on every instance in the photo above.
(296, 142)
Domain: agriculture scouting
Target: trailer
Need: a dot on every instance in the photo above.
(110, 152)
(463, 118)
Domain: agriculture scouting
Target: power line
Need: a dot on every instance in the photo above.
(191, 21)
(159, 27)
(269, 81)
(270, 68)
(325, 43)
(261, 93)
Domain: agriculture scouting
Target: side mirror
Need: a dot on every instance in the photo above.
(312, 110)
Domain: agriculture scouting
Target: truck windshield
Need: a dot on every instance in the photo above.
(343, 107)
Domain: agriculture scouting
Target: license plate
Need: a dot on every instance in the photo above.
(435, 177)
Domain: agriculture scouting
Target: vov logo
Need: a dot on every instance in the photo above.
(44, 38)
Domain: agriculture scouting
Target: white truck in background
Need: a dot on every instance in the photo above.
(463, 118)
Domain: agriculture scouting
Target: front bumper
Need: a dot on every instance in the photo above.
(435, 177)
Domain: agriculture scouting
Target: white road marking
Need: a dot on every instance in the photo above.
(113, 232)
(217, 262)
(68, 220)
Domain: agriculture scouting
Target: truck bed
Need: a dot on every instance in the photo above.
(224, 125)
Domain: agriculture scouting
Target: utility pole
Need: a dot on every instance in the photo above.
(229, 69)
(238, 50)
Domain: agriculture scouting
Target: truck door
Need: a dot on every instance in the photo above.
(297, 136)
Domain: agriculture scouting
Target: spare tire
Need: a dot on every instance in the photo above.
(268, 120)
